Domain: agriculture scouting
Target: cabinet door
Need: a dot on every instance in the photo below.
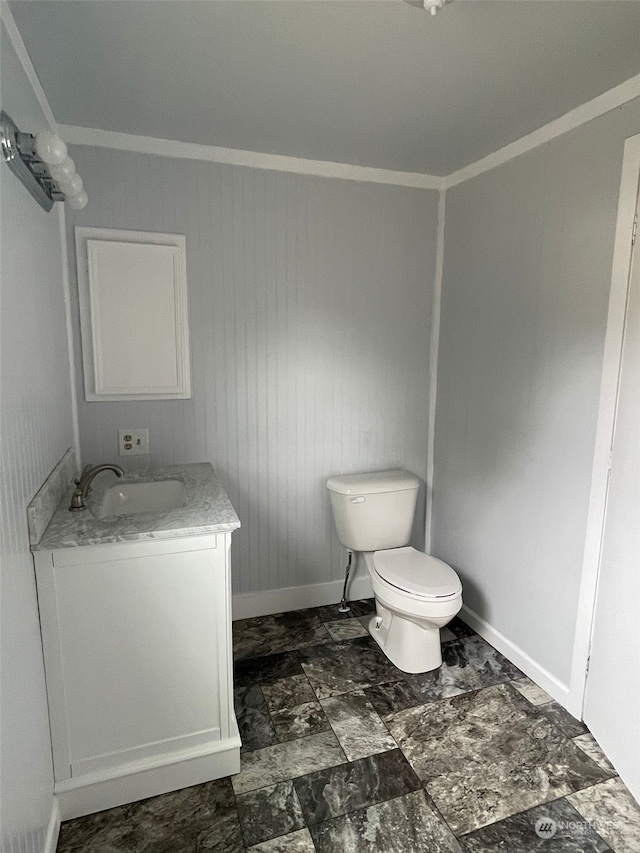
(140, 646)
(132, 288)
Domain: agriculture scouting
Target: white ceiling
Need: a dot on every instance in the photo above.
(370, 83)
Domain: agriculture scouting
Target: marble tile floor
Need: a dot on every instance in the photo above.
(344, 753)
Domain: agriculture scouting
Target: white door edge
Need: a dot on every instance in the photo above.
(621, 267)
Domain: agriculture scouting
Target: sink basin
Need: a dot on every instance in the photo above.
(156, 496)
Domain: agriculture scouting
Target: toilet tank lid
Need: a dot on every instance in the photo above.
(416, 572)
(374, 483)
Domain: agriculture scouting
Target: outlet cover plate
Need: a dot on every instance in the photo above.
(133, 442)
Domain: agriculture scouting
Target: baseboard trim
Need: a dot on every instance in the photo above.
(87, 794)
(270, 601)
(530, 667)
(53, 829)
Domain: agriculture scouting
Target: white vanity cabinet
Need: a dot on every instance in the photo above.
(138, 657)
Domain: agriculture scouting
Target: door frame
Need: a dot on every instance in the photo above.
(605, 424)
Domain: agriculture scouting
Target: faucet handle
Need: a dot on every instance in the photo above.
(77, 502)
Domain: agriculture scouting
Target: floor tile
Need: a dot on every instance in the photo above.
(357, 726)
(361, 607)
(467, 664)
(288, 692)
(346, 629)
(530, 690)
(287, 760)
(567, 724)
(339, 647)
(588, 744)
(562, 830)
(295, 842)
(300, 721)
(254, 722)
(460, 629)
(294, 708)
(282, 632)
(269, 812)
(613, 812)
(356, 785)
(393, 696)
(446, 635)
(407, 824)
(192, 820)
(486, 755)
(349, 666)
(264, 670)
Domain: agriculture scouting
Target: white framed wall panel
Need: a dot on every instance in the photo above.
(132, 290)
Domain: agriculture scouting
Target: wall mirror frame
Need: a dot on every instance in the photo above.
(132, 290)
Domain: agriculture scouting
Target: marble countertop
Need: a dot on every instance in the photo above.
(207, 510)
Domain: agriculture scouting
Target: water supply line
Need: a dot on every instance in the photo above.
(344, 606)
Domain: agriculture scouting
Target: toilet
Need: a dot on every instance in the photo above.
(416, 594)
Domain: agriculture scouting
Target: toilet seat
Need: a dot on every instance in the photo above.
(417, 573)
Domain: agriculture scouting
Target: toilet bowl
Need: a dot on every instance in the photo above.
(416, 594)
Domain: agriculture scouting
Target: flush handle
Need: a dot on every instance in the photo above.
(358, 500)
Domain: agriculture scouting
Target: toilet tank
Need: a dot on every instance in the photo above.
(374, 511)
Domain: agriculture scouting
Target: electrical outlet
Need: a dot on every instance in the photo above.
(133, 442)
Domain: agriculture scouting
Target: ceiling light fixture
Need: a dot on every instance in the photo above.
(432, 5)
(428, 5)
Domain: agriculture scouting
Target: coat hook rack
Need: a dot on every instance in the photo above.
(42, 164)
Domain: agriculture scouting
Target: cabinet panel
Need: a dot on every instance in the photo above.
(139, 646)
(132, 291)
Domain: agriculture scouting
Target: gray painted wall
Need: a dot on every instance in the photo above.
(36, 430)
(310, 305)
(527, 268)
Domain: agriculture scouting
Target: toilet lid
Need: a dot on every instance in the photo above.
(418, 573)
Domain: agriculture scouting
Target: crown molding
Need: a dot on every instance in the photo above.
(586, 112)
(251, 159)
(21, 51)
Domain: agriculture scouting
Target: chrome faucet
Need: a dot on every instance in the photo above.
(84, 484)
